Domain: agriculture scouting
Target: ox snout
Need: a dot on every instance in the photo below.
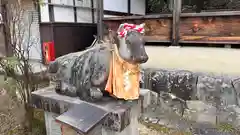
(143, 59)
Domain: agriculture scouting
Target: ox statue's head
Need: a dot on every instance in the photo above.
(131, 45)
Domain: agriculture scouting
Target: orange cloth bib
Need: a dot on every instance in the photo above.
(123, 80)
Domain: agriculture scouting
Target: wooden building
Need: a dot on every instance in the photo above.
(189, 22)
(71, 24)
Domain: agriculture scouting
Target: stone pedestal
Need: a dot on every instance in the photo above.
(71, 116)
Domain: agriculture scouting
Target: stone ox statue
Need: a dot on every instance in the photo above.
(104, 69)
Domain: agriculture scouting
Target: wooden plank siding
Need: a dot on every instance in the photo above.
(219, 29)
(155, 29)
(224, 29)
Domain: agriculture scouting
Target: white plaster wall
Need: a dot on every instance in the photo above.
(34, 34)
(63, 14)
(66, 14)
(116, 5)
(84, 15)
(83, 3)
(138, 7)
(44, 11)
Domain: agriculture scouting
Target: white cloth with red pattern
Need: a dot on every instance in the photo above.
(123, 29)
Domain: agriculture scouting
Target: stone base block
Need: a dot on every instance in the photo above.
(113, 116)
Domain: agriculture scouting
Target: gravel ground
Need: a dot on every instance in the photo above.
(217, 60)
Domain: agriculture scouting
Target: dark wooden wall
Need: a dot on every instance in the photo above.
(68, 37)
(193, 29)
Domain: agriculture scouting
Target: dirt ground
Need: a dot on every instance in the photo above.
(12, 114)
(143, 130)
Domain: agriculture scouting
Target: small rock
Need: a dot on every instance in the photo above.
(153, 120)
(163, 122)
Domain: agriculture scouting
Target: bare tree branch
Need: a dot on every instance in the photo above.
(18, 26)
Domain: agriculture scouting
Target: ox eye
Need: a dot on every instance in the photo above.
(128, 44)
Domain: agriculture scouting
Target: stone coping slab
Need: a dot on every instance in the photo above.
(114, 114)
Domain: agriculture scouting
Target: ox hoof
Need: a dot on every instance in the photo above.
(96, 93)
(93, 95)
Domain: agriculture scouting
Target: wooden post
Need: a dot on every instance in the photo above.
(51, 12)
(75, 11)
(100, 19)
(93, 11)
(177, 6)
(129, 7)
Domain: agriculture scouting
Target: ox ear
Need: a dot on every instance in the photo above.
(142, 25)
(120, 27)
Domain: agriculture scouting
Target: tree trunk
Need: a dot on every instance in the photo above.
(29, 112)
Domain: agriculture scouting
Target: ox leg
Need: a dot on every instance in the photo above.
(64, 88)
(95, 93)
(90, 95)
(58, 86)
(87, 92)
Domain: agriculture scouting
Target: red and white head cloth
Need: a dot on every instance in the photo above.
(124, 28)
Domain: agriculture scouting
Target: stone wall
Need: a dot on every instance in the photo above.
(194, 98)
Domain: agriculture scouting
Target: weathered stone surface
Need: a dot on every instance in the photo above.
(132, 128)
(200, 112)
(82, 74)
(48, 100)
(119, 112)
(236, 85)
(216, 90)
(147, 98)
(180, 83)
(210, 98)
(174, 87)
(85, 74)
(118, 120)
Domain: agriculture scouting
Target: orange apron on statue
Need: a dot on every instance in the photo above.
(123, 80)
